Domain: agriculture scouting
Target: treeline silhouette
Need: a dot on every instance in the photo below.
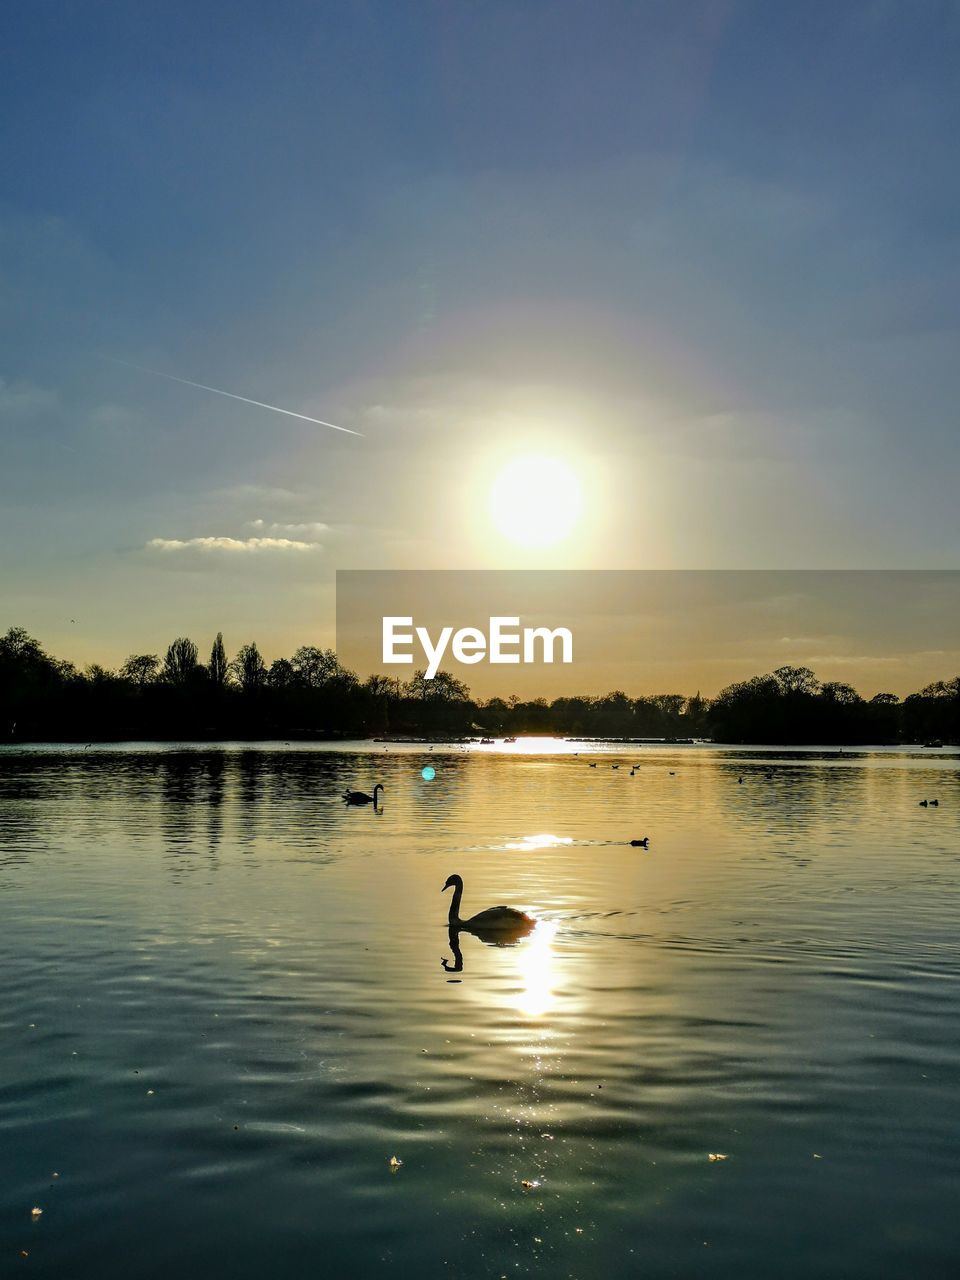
(310, 695)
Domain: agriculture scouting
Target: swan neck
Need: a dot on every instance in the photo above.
(454, 917)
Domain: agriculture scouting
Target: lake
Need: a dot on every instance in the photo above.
(224, 1010)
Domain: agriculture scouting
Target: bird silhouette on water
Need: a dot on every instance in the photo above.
(498, 925)
(361, 797)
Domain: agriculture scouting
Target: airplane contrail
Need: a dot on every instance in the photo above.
(274, 408)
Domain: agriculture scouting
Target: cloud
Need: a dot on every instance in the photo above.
(24, 400)
(231, 545)
(306, 529)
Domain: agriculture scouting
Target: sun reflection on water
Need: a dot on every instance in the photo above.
(544, 840)
(537, 958)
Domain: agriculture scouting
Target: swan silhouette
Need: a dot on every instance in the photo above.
(361, 797)
(497, 925)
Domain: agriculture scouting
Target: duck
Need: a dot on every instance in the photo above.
(361, 797)
(641, 844)
(496, 924)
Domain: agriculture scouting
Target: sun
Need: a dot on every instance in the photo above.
(536, 501)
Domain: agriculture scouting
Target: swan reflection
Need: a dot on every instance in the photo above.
(498, 936)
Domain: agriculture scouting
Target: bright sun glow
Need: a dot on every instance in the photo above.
(536, 996)
(535, 501)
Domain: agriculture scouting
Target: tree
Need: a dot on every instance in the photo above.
(218, 666)
(281, 674)
(314, 667)
(249, 668)
(140, 668)
(379, 686)
(442, 688)
(180, 662)
(97, 674)
(18, 646)
(796, 680)
(837, 691)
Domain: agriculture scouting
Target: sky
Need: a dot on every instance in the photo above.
(704, 253)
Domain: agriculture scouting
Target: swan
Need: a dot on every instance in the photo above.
(361, 797)
(496, 924)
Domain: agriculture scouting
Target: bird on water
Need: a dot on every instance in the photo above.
(496, 924)
(361, 797)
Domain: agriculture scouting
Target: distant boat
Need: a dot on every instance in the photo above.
(934, 742)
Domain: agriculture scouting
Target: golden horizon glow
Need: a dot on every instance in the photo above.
(535, 500)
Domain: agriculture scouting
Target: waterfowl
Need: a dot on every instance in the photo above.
(500, 923)
(641, 844)
(361, 797)
(924, 803)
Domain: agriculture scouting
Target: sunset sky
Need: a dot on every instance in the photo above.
(699, 257)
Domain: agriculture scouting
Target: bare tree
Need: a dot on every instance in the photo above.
(140, 668)
(796, 680)
(314, 667)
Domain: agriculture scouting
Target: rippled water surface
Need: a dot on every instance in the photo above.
(223, 1011)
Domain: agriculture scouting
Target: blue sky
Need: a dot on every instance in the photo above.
(705, 251)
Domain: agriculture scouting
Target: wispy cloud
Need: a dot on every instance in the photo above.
(24, 400)
(169, 546)
(309, 529)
